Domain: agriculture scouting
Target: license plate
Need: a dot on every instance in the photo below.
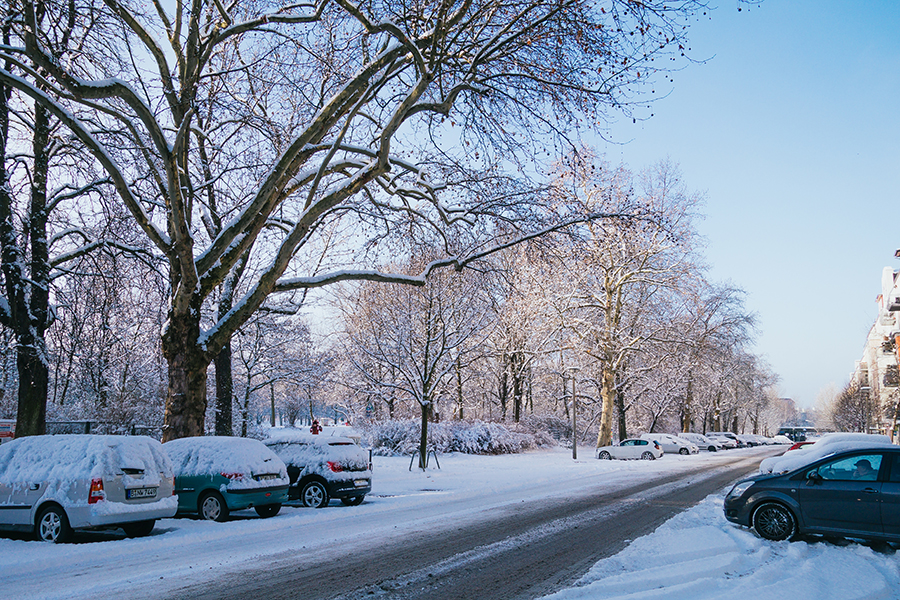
(361, 482)
(267, 477)
(135, 493)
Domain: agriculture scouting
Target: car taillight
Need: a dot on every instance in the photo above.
(334, 466)
(233, 476)
(96, 494)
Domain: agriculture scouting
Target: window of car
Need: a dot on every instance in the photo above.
(895, 469)
(641, 442)
(861, 467)
(628, 443)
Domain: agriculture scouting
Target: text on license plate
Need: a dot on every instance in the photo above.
(149, 492)
(361, 483)
(267, 477)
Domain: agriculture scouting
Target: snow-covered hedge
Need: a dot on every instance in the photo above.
(390, 438)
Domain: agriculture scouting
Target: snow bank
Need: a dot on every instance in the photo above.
(204, 456)
(698, 555)
(393, 438)
(826, 445)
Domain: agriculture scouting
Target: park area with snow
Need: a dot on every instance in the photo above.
(693, 556)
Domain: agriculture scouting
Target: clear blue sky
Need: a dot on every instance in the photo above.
(792, 131)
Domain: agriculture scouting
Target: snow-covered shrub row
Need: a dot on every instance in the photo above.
(390, 438)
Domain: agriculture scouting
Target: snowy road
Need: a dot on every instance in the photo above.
(506, 526)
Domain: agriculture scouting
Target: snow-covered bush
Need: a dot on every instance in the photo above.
(390, 438)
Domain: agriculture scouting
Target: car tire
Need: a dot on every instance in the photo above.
(212, 507)
(647, 456)
(712, 448)
(139, 528)
(314, 495)
(684, 452)
(267, 510)
(353, 500)
(52, 525)
(604, 455)
(774, 522)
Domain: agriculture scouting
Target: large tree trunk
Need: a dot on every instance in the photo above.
(28, 312)
(620, 411)
(186, 398)
(608, 398)
(224, 391)
(31, 416)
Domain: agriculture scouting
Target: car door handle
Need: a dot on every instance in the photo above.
(870, 491)
(34, 487)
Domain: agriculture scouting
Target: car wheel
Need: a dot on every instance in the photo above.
(52, 525)
(774, 522)
(712, 448)
(314, 495)
(212, 507)
(604, 455)
(267, 510)
(138, 528)
(684, 452)
(648, 456)
(353, 500)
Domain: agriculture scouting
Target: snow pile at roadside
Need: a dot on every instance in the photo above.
(824, 446)
(392, 438)
(698, 555)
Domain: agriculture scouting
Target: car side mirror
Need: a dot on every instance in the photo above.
(813, 477)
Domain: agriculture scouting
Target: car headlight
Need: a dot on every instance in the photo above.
(739, 489)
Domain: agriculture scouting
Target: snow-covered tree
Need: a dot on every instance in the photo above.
(389, 119)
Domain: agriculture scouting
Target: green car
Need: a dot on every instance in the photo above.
(217, 475)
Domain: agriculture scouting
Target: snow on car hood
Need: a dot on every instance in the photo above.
(824, 446)
(212, 455)
(65, 458)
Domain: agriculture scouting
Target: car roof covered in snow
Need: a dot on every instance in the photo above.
(70, 457)
(827, 445)
(216, 454)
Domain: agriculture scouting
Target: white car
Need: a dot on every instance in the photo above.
(54, 484)
(672, 444)
(702, 441)
(631, 448)
(727, 441)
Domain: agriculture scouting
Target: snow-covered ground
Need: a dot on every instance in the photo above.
(693, 554)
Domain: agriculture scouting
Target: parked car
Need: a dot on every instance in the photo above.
(631, 448)
(217, 475)
(799, 445)
(55, 484)
(728, 440)
(852, 493)
(323, 467)
(749, 440)
(672, 444)
(703, 442)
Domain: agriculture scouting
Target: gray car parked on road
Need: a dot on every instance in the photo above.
(854, 493)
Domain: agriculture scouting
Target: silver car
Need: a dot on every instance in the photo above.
(54, 484)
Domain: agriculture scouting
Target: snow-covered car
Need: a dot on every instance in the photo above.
(852, 493)
(672, 444)
(702, 442)
(54, 484)
(750, 440)
(323, 467)
(216, 475)
(631, 448)
(727, 441)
